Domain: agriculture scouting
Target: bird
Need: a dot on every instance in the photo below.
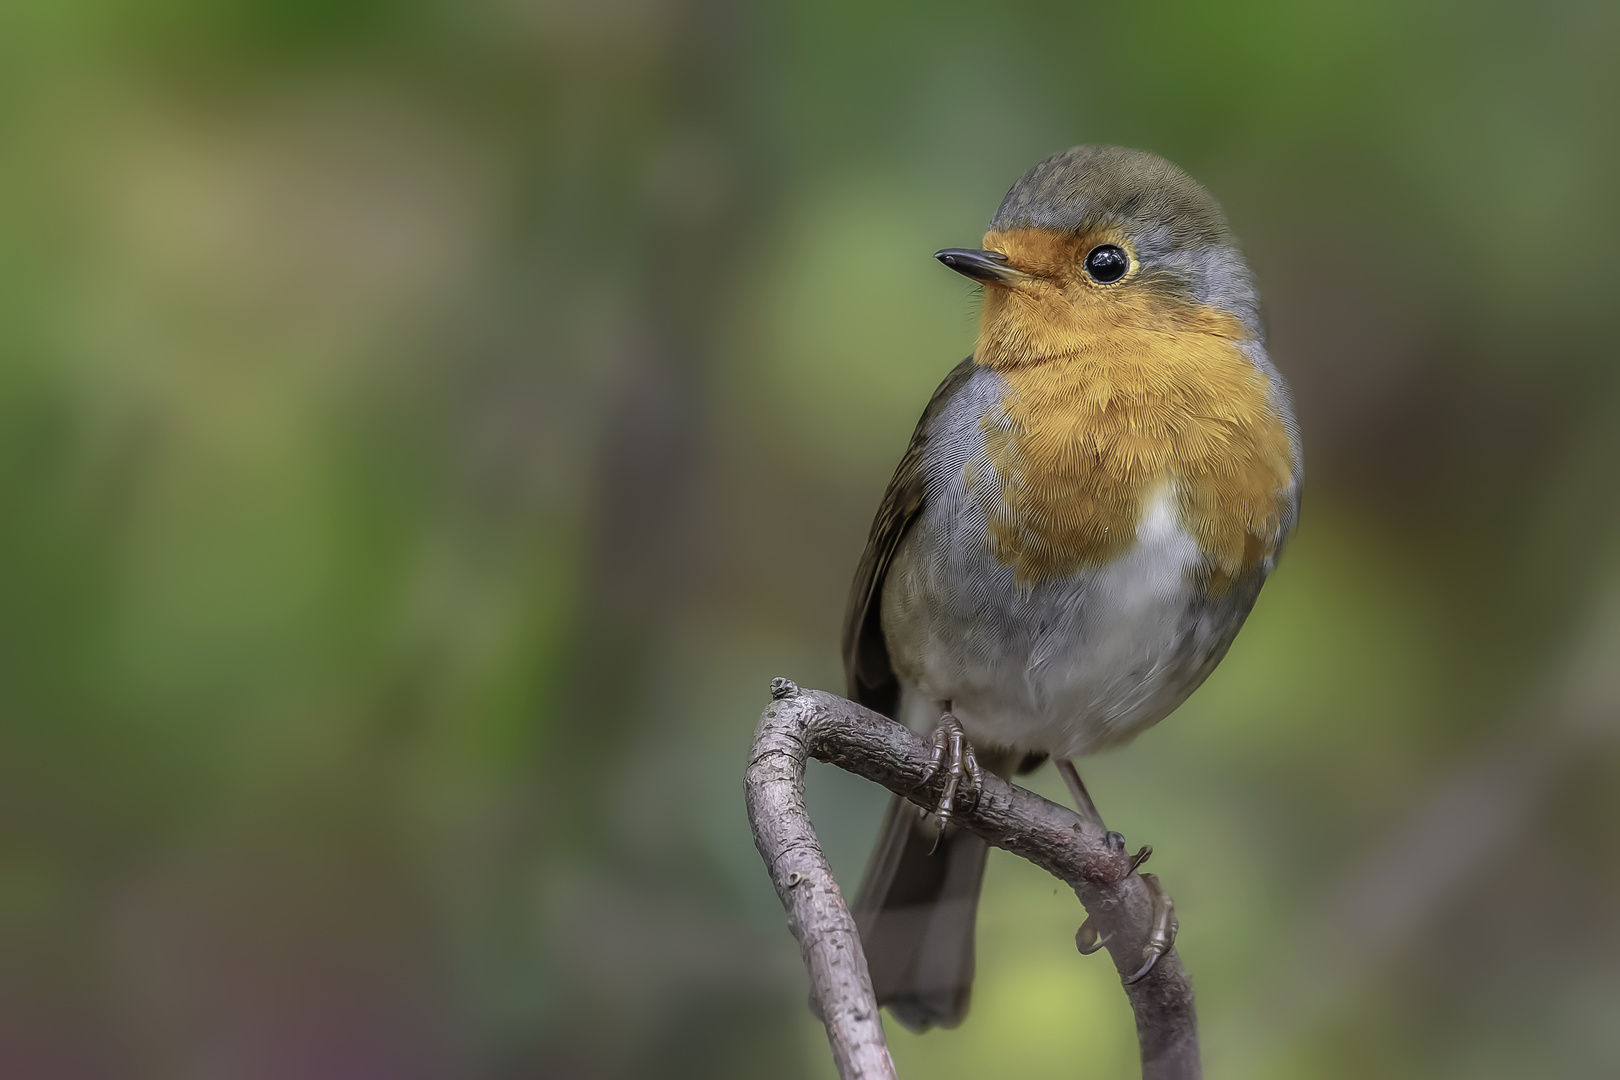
(1078, 528)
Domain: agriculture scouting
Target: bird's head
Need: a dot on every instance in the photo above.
(1099, 239)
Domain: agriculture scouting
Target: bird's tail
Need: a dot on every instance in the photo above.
(916, 911)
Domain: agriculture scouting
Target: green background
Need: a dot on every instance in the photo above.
(426, 427)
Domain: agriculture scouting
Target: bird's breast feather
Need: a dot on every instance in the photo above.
(1083, 440)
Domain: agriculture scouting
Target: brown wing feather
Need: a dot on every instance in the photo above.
(866, 656)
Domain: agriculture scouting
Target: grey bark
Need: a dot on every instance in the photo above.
(801, 724)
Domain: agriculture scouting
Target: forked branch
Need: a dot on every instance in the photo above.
(801, 724)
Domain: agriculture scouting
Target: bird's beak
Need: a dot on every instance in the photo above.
(990, 267)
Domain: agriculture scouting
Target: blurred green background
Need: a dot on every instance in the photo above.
(426, 427)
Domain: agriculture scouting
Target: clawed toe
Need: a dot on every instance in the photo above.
(1162, 934)
(1087, 939)
(953, 755)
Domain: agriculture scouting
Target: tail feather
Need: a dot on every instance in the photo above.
(916, 913)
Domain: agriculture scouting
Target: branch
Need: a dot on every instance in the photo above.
(800, 724)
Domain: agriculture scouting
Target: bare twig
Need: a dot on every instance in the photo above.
(800, 724)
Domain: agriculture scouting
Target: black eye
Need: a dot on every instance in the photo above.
(1107, 263)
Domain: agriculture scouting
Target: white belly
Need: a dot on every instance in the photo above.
(1064, 666)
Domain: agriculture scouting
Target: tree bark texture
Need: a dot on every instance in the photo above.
(800, 724)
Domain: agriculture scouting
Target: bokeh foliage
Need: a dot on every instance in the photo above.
(426, 427)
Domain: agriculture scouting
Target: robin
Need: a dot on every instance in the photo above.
(1081, 523)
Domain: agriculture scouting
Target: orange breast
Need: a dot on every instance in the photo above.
(1113, 399)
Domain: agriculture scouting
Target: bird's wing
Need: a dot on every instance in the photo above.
(866, 656)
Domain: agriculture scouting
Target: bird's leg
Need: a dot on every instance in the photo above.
(1162, 933)
(1088, 809)
(1077, 788)
(953, 754)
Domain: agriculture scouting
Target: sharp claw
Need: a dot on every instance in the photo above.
(1153, 958)
(1162, 935)
(1087, 940)
(1141, 857)
(953, 755)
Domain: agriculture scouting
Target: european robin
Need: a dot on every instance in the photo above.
(1079, 527)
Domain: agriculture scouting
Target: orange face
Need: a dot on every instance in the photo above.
(1121, 393)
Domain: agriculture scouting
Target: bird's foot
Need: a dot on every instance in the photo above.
(953, 755)
(1162, 933)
